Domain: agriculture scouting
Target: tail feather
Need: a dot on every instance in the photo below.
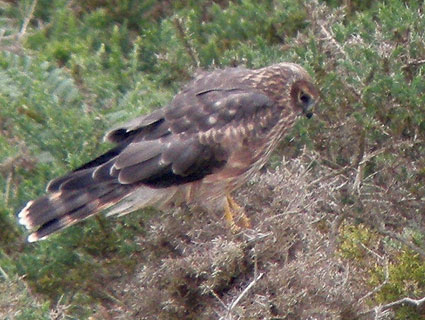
(64, 208)
(141, 198)
(57, 184)
(78, 181)
(55, 205)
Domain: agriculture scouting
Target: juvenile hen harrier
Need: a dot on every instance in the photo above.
(211, 138)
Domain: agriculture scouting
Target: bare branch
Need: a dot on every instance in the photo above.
(243, 293)
(236, 301)
(218, 298)
(7, 191)
(390, 146)
(4, 274)
(358, 163)
(413, 63)
(182, 35)
(27, 19)
(413, 302)
(379, 287)
(331, 175)
(380, 310)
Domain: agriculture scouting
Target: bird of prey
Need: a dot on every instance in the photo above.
(208, 141)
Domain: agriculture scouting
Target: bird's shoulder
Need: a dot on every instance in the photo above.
(211, 100)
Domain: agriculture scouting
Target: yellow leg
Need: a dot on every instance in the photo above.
(228, 216)
(230, 209)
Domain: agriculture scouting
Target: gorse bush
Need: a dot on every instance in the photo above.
(71, 70)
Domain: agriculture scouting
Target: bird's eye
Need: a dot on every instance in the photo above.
(304, 98)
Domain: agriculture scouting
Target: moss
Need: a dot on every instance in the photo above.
(406, 279)
(355, 239)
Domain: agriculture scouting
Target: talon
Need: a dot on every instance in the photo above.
(231, 208)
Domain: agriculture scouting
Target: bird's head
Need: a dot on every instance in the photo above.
(304, 96)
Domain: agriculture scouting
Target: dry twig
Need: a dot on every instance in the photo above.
(379, 287)
(235, 302)
(182, 35)
(380, 311)
(239, 298)
(27, 19)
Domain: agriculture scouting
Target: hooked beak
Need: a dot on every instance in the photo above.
(308, 108)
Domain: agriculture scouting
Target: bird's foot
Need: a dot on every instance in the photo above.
(231, 211)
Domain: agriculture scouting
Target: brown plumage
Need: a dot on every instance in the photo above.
(211, 138)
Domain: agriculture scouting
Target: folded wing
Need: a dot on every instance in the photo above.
(156, 151)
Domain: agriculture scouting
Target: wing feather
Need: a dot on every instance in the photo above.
(167, 146)
(143, 171)
(187, 159)
(78, 180)
(177, 144)
(105, 172)
(139, 152)
(55, 184)
(143, 123)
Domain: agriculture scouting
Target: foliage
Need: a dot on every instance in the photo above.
(70, 70)
(17, 303)
(405, 279)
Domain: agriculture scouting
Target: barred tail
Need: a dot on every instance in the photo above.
(64, 208)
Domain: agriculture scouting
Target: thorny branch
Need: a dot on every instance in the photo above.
(236, 301)
(322, 23)
(182, 35)
(380, 310)
(327, 35)
(243, 293)
(379, 287)
(27, 19)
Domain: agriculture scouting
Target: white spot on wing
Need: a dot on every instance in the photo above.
(232, 112)
(218, 103)
(212, 120)
(163, 163)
